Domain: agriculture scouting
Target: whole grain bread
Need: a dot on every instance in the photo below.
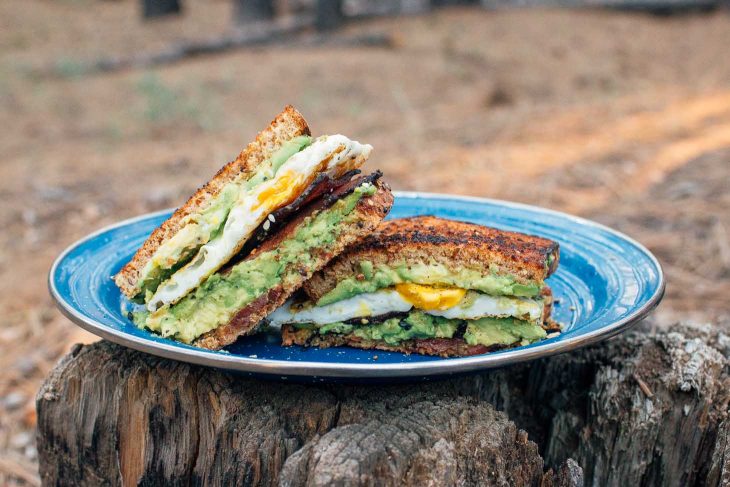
(369, 212)
(456, 245)
(443, 347)
(287, 125)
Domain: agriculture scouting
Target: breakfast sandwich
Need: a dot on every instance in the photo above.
(431, 286)
(249, 238)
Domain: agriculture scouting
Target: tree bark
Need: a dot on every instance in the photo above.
(329, 15)
(159, 8)
(448, 3)
(637, 410)
(246, 11)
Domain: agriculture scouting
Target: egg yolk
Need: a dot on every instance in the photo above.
(281, 192)
(430, 297)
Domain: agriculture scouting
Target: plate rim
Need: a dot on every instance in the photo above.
(372, 370)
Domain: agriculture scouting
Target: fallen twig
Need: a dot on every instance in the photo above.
(290, 33)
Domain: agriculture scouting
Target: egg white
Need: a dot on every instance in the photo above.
(473, 306)
(250, 211)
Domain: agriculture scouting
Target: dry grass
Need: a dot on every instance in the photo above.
(624, 118)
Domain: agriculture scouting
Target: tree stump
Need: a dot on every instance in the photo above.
(246, 11)
(152, 9)
(641, 409)
(328, 14)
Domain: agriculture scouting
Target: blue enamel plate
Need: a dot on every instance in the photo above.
(605, 283)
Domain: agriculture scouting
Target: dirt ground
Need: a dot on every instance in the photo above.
(624, 118)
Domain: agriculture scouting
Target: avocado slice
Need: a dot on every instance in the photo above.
(419, 325)
(382, 276)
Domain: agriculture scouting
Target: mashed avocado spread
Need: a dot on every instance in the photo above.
(203, 226)
(215, 301)
(383, 276)
(502, 331)
(419, 325)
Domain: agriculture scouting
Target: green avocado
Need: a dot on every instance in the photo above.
(419, 325)
(504, 331)
(287, 149)
(381, 276)
(416, 325)
(216, 300)
(205, 225)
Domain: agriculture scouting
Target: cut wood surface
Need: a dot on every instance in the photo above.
(641, 409)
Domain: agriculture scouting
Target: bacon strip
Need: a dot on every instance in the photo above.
(321, 185)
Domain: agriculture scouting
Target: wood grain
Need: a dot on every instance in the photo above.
(110, 415)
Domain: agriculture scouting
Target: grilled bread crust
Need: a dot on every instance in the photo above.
(370, 211)
(443, 347)
(456, 245)
(287, 125)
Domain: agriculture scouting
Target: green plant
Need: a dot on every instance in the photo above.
(162, 103)
(69, 68)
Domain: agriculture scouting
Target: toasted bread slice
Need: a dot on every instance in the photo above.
(456, 245)
(444, 347)
(287, 125)
(368, 213)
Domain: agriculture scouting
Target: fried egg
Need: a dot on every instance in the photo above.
(430, 297)
(433, 300)
(333, 155)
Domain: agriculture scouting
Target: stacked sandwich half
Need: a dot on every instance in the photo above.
(431, 286)
(251, 236)
(291, 235)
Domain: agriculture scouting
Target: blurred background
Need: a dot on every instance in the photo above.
(616, 110)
